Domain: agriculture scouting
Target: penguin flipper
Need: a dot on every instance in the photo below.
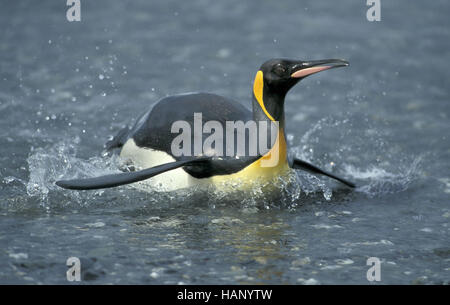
(300, 164)
(113, 180)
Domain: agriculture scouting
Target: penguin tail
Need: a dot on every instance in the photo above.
(119, 139)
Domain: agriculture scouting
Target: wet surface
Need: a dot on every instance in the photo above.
(66, 88)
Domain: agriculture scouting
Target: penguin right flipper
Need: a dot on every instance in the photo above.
(125, 178)
(300, 164)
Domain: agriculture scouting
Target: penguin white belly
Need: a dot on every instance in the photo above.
(254, 175)
(167, 181)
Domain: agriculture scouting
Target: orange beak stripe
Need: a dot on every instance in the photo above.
(309, 71)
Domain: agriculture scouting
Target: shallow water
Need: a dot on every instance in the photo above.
(66, 88)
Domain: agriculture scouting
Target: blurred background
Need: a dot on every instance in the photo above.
(67, 87)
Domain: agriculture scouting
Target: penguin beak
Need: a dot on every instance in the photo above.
(305, 68)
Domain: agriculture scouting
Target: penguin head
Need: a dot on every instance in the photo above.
(276, 76)
(280, 75)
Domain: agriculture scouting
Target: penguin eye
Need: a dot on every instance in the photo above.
(279, 70)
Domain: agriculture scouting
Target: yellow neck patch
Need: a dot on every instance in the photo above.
(266, 169)
(258, 86)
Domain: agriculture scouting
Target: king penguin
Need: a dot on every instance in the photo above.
(162, 157)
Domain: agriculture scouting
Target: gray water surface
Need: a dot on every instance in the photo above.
(383, 122)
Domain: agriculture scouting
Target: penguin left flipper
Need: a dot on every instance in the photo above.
(300, 164)
(113, 180)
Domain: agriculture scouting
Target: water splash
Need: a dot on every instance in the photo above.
(364, 154)
(330, 143)
(382, 182)
(49, 164)
(60, 161)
